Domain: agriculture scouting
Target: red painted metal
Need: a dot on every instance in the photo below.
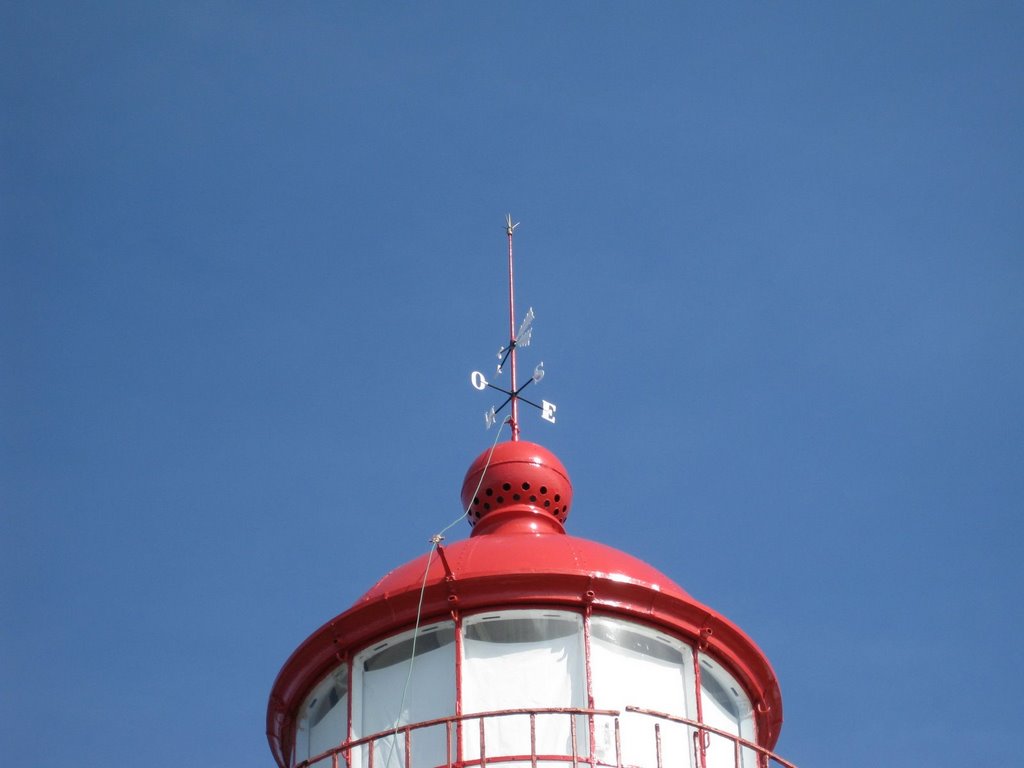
(519, 571)
(573, 742)
(617, 592)
(533, 739)
(695, 653)
(520, 557)
(705, 728)
(351, 678)
(520, 477)
(588, 671)
(343, 751)
(458, 677)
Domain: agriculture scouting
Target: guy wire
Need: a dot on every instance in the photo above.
(435, 542)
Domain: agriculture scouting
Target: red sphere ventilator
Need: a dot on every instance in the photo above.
(525, 488)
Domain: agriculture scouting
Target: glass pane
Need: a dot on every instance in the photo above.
(725, 706)
(323, 718)
(523, 660)
(632, 665)
(406, 680)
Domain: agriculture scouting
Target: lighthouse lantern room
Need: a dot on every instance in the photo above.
(522, 645)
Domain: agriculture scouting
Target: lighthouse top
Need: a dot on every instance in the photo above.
(519, 558)
(520, 582)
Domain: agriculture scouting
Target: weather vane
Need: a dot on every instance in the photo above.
(507, 354)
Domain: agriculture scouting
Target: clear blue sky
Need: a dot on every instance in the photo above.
(251, 252)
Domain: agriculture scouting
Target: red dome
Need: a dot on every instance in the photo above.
(519, 475)
(519, 555)
(514, 556)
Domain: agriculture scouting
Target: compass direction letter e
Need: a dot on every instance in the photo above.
(547, 411)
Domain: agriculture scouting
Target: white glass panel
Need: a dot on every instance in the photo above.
(301, 751)
(725, 706)
(323, 719)
(632, 665)
(392, 695)
(523, 660)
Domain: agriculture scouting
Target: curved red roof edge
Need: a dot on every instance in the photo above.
(518, 571)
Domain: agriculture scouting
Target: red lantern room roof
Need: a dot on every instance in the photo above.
(520, 555)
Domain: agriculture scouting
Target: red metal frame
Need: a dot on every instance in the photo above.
(457, 617)
(350, 663)
(343, 751)
(519, 571)
(518, 557)
(589, 675)
(701, 746)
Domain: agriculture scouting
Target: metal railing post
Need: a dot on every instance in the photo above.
(575, 749)
(457, 726)
(618, 745)
(533, 739)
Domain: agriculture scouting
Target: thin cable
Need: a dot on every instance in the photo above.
(479, 484)
(435, 542)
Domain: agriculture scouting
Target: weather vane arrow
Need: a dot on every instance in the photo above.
(507, 354)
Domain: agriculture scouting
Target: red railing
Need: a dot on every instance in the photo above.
(360, 753)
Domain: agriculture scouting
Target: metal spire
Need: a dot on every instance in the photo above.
(514, 419)
(508, 354)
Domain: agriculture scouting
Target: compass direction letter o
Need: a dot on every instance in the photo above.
(477, 380)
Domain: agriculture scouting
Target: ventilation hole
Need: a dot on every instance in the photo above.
(507, 487)
(558, 497)
(477, 513)
(547, 503)
(500, 499)
(533, 498)
(526, 486)
(515, 497)
(543, 490)
(489, 492)
(565, 510)
(476, 500)
(487, 506)
(556, 511)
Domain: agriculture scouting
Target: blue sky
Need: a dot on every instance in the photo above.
(250, 253)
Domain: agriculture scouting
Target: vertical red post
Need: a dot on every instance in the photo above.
(701, 734)
(512, 330)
